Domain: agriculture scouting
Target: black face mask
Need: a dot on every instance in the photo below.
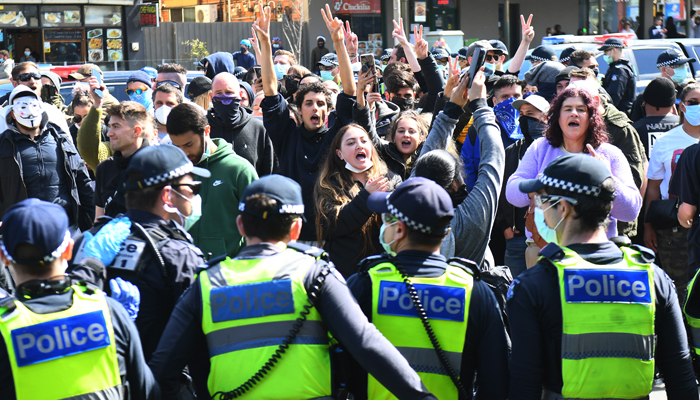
(321, 44)
(403, 103)
(48, 93)
(532, 128)
(227, 112)
(291, 84)
(595, 71)
(77, 119)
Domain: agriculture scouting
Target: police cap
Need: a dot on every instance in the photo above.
(36, 222)
(286, 191)
(159, 164)
(577, 173)
(419, 203)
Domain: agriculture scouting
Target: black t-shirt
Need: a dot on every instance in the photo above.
(650, 129)
(686, 185)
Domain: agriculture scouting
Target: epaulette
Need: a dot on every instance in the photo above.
(552, 252)
(367, 263)
(214, 261)
(8, 303)
(468, 265)
(312, 251)
(621, 241)
(646, 254)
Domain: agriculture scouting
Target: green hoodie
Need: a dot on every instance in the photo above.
(216, 231)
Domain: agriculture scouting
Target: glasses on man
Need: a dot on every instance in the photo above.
(29, 75)
(177, 85)
(140, 90)
(326, 68)
(541, 200)
(490, 57)
(195, 187)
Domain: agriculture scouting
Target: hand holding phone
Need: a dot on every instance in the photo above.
(367, 61)
(96, 73)
(476, 64)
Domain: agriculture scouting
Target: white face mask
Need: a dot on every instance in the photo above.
(161, 114)
(28, 111)
(187, 221)
(357, 170)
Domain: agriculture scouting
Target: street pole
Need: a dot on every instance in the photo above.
(600, 17)
(506, 25)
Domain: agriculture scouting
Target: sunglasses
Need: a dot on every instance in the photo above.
(224, 99)
(388, 218)
(540, 200)
(140, 90)
(195, 187)
(29, 75)
(177, 85)
(492, 57)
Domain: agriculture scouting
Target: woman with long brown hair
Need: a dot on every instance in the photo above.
(352, 170)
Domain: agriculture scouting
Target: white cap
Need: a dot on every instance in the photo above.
(534, 100)
(21, 91)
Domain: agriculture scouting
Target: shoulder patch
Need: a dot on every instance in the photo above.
(552, 252)
(512, 288)
(367, 263)
(312, 251)
(646, 254)
(614, 77)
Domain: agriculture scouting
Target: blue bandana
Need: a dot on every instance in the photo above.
(508, 116)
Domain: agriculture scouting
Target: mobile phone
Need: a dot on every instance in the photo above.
(477, 63)
(96, 73)
(258, 72)
(367, 61)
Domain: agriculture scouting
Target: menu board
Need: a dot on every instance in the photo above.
(63, 34)
(149, 15)
(107, 42)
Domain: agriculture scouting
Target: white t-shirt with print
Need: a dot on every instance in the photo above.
(665, 154)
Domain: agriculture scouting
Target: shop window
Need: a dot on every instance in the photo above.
(19, 16)
(60, 16)
(103, 15)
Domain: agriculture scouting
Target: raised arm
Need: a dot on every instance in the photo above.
(256, 46)
(351, 43)
(528, 33)
(337, 32)
(400, 36)
(267, 69)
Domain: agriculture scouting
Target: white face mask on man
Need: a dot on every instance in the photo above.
(28, 111)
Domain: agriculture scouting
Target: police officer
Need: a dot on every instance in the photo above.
(591, 320)
(158, 257)
(619, 81)
(243, 312)
(565, 55)
(61, 338)
(462, 313)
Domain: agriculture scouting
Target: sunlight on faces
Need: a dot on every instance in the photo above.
(506, 93)
(561, 85)
(81, 111)
(191, 144)
(356, 148)
(591, 63)
(408, 136)
(227, 85)
(122, 136)
(34, 84)
(531, 111)
(257, 111)
(314, 111)
(167, 99)
(573, 119)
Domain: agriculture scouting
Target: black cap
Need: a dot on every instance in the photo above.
(577, 173)
(484, 44)
(462, 53)
(671, 58)
(439, 53)
(198, 86)
(564, 74)
(35, 222)
(660, 92)
(159, 164)
(286, 191)
(498, 45)
(419, 203)
(611, 43)
(542, 53)
(386, 54)
(240, 72)
(565, 54)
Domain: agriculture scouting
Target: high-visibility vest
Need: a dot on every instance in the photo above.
(249, 307)
(608, 336)
(692, 314)
(70, 353)
(446, 301)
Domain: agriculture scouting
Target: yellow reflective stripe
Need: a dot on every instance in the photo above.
(114, 393)
(426, 360)
(266, 334)
(607, 345)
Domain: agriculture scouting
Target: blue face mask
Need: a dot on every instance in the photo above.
(692, 114)
(145, 99)
(386, 246)
(489, 69)
(680, 74)
(548, 234)
(27, 53)
(608, 59)
(327, 75)
(280, 70)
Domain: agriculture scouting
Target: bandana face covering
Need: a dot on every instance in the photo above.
(508, 118)
(28, 111)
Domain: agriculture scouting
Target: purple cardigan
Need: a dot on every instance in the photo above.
(540, 153)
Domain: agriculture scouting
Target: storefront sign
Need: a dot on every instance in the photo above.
(420, 11)
(149, 15)
(358, 6)
(63, 34)
(444, 3)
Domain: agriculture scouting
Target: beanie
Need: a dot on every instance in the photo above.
(660, 92)
(564, 74)
(139, 76)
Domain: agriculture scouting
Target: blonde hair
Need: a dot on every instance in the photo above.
(203, 100)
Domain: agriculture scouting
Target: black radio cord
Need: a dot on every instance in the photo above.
(282, 348)
(431, 334)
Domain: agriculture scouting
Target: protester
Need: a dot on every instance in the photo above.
(6, 65)
(243, 58)
(317, 52)
(199, 92)
(138, 88)
(84, 74)
(218, 62)
(166, 96)
(659, 99)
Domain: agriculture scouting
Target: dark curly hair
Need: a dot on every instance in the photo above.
(596, 134)
(316, 87)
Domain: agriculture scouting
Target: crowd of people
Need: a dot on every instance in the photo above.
(419, 227)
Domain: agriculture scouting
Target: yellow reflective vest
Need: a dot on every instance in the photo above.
(446, 301)
(249, 307)
(692, 314)
(70, 353)
(608, 337)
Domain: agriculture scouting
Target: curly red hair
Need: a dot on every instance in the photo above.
(596, 134)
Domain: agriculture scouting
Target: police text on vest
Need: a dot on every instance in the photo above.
(607, 286)
(252, 300)
(439, 302)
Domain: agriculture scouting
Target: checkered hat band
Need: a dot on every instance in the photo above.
(54, 254)
(565, 59)
(176, 173)
(538, 58)
(671, 62)
(619, 46)
(413, 224)
(571, 187)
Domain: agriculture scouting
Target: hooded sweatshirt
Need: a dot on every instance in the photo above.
(543, 76)
(248, 137)
(216, 231)
(219, 62)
